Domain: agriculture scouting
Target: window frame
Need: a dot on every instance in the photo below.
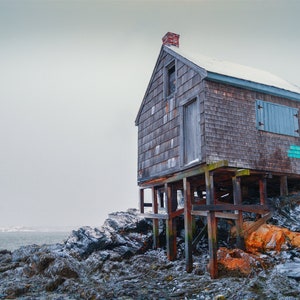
(183, 108)
(268, 112)
(168, 67)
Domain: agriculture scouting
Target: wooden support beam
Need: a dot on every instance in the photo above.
(142, 201)
(263, 190)
(259, 209)
(154, 220)
(155, 216)
(283, 186)
(188, 226)
(198, 170)
(176, 213)
(237, 199)
(170, 226)
(211, 226)
(242, 172)
(257, 224)
(164, 216)
(219, 215)
(217, 165)
(199, 236)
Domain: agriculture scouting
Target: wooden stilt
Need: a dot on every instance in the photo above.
(188, 225)
(263, 190)
(155, 221)
(237, 199)
(142, 201)
(283, 186)
(211, 226)
(170, 227)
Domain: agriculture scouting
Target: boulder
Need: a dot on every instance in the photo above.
(270, 238)
(125, 232)
(236, 262)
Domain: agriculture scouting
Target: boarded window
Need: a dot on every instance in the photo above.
(191, 133)
(277, 118)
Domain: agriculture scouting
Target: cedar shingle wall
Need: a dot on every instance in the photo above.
(159, 124)
(230, 131)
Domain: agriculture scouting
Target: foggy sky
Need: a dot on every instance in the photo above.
(73, 75)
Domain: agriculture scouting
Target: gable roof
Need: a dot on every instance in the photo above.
(233, 74)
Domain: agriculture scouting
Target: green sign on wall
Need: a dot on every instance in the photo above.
(294, 151)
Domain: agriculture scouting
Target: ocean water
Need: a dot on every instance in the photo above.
(14, 240)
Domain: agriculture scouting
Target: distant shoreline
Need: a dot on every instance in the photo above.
(13, 240)
(38, 228)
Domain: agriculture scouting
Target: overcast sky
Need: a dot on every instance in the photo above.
(72, 77)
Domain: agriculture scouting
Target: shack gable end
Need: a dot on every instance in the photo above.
(160, 119)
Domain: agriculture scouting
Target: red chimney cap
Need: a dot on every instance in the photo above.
(171, 39)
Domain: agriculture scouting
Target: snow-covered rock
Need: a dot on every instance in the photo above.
(114, 262)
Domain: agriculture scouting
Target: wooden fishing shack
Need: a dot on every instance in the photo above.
(210, 135)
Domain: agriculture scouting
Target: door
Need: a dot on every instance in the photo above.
(191, 132)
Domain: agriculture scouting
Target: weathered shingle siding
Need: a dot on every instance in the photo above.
(227, 126)
(159, 131)
(231, 133)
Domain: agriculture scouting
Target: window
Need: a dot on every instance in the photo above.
(277, 118)
(170, 79)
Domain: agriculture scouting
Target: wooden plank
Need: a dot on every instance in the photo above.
(199, 237)
(257, 224)
(189, 173)
(176, 213)
(155, 216)
(198, 170)
(220, 215)
(249, 208)
(188, 230)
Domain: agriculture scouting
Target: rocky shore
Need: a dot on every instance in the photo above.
(116, 261)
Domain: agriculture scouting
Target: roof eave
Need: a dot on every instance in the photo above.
(254, 86)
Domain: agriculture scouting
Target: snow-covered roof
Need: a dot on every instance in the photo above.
(233, 74)
(237, 71)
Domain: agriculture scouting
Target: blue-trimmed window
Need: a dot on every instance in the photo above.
(277, 118)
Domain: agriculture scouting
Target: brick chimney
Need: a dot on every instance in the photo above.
(171, 39)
